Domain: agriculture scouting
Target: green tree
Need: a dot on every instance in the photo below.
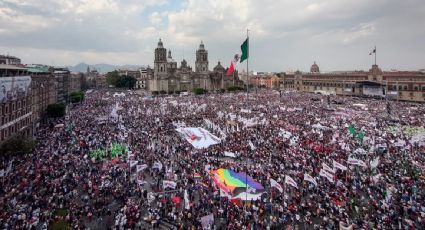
(199, 91)
(112, 78)
(76, 96)
(56, 110)
(17, 145)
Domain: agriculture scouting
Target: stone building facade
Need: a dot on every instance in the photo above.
(397, 85)
(167, 77)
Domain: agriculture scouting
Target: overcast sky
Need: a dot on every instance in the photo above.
(285, 34)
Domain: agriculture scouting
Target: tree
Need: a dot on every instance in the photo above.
(199, 91)
(76, 96)
(17, 145)
(125, 81)
(112, 78)
(56, 110)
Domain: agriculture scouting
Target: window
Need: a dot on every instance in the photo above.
(416, 88)
(400, 87)
(423, 88)
(405, 87)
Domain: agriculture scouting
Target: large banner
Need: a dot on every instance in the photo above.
(198, 137)
(13, 87)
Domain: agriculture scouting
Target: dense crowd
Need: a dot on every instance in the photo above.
(271, 137)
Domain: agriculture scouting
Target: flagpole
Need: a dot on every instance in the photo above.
(247, 89)
(247, 71)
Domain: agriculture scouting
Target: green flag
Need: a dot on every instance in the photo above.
(351, 130)
(245, 50)
(360, 136)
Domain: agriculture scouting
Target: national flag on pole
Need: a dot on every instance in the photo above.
(232, 66)
(168, 184)
(276, 185)
(351, 130)
(251, 145)
(245, 50)
(327, 168)
(327, 175)
(310, 179)
(339, 166)
(373, 51)
(290, 181)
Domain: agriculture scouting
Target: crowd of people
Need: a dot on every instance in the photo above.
(270, 136)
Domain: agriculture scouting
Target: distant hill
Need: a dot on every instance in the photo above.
(102, 68)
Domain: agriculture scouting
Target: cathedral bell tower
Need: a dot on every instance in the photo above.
(160, 62)
(201, 64)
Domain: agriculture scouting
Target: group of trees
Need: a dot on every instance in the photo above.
(76, 97)
(113, 78)
(199, 91)
(17, 145)
(56, 110)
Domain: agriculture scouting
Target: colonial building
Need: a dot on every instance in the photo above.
(9, 60)
(398, 85)
(15, 102)
(167, 77)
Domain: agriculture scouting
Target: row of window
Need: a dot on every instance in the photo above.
(405, 87)
(6, 108)
(9, 131)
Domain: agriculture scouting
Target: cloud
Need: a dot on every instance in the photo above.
(284, 34)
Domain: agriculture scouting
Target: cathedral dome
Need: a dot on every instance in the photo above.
(219, 68)
(201, 46)
(314, 68)
(160, 45)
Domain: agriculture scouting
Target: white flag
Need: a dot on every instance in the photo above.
(251, 145)
(229, 154)
(329, 169)
(290, 181)
(168, 184)
(342, 226)
(339, 166)
(2, 173)
(327, 175)
(133, 163)
(186, 200)
(310, 179)
(207, 222)
(141, 182)
(274, 183)
(374, 163)
(375, 179)
(157, 165)
(354, 161)
(141, 167)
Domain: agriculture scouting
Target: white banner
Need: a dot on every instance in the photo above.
(276, 185)
(198, 137)
(310, 179)
(169, 184)
(339, 166)
(141, 167)
(157, 165)
(327, 168)
(327, 175)
(290, 181)
(353, 161)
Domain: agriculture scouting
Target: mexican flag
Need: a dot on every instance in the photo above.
(245, 50)
(232, 66)
(243, 57)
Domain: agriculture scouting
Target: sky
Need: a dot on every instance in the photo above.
(284, 35)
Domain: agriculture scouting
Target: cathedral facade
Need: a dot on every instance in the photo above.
(167, 77)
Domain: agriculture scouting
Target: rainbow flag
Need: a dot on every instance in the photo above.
(234, 183)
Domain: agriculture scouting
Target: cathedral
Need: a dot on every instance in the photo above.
(167, 77)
